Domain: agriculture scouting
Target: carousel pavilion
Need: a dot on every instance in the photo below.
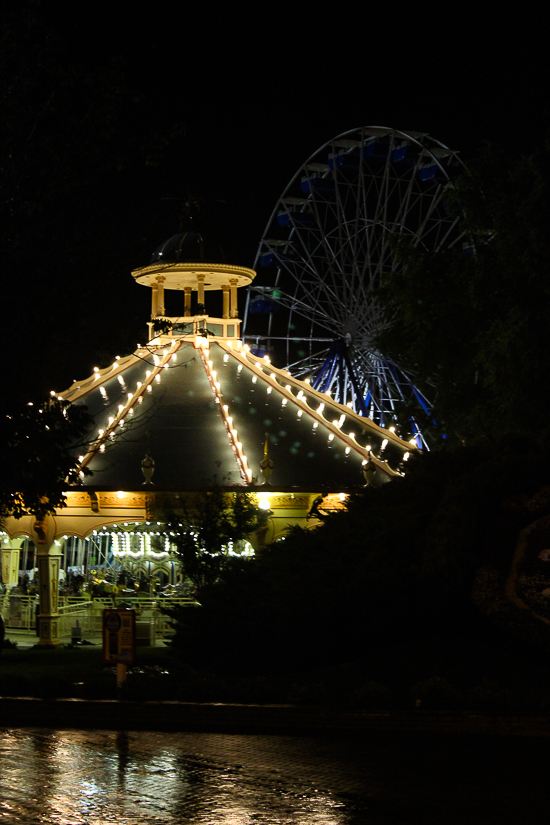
(192, 409)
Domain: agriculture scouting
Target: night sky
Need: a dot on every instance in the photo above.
(256, 92)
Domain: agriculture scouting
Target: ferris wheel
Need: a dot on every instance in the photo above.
(328, 246)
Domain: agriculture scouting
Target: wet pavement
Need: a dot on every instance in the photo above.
(90, 778)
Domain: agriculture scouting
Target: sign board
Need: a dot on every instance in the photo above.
(119, 636)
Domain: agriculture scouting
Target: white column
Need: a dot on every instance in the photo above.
(160, 295)
(187, 305)
(234, 308)
(225, 289)
(48, 559)
(10, 562)
(200, 298)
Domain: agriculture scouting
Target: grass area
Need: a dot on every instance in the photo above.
(448, 680)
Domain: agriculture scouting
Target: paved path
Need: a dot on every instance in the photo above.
(92, 778)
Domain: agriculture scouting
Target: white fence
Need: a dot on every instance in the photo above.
(19, 613)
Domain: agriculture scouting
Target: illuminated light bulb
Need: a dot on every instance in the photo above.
(210, 364)
(114, 365)
(268, 390)
(96, 369)
(320, 408)
(157, 378)
(300, 413)
(230, 345)
(287, 387)
(234, 433)
(131, 410)
(226, 357)
(156, 360)
(149, 388)
(139, 384)
(349, 404)
(300, 395)
(102, 448)
(239, 368)
(120, 407)
(364, 462)
(272, 375)
(81, 458)
(331, 437)
(315, 425)
(213, 374)
(100, 432)
(225, 408)
(347, 450)
(392, 429)
(165, 352)
(229, 420)
(148, 373)
(165, 367)
(384, 444)
(120, 494)
(111, 419)
(239, 445)
(368, 448)
(307, 380)
(140, 399)
(249, 474)
(406, 457)
(52, 392)
(263, 504)
(258, 365)
(352, 435)
(285, 401)
(266, 359)
(103, 392)
(254, 379)
(246, 348)
(342, 419)
(342, 496)
(217, 385)
(412, 440)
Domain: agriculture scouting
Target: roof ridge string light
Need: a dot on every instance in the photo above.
(318, 414)
(123, 409)
(232, 434)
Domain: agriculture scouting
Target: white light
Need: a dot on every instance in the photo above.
(300, 413)
(254, 379)
(347, 450)
(384, 444)
(225, 408)
(285, 400)
(342, 496)
(300, 395)
(263, 504)
(341, 420)
(268, 390)
(406, 457)
(157, 378)
(230, 420)
(392, 429)
(320, 408)
(120, 494)
(331, 436)
(239, 368)
(226, 357)
(315, 425)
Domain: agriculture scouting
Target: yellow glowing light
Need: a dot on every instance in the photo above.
(342, 496)
(120, 494)
(263, 504)
(392, 429)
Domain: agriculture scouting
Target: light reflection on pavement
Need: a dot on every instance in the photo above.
(91, 778)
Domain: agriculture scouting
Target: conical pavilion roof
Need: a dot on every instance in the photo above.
(202, 410)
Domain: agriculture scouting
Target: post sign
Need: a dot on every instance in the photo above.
(119, 636)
